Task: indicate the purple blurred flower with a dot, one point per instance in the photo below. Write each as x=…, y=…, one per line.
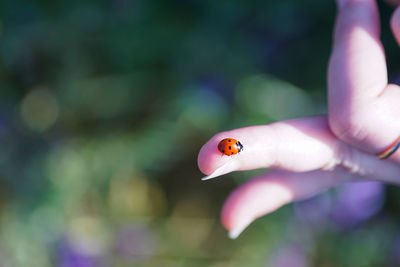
x=216, y=85
x=357, y=202
x=395, y=78
x=289, y=256
x=314, y=211
x=69, y=256
x=136, y=243
x=397, y=250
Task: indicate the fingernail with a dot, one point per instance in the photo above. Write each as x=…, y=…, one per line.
x=235, y=232
x=224, y=169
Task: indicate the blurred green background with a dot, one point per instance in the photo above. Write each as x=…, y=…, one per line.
x=104, y=106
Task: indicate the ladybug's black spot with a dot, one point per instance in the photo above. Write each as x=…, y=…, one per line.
x=223, y=151
x=229, y=140
x=232, y=153
x=230, y=147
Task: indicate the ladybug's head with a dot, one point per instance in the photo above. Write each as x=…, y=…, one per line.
x=239, y=146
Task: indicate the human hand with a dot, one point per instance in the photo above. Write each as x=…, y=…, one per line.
x=310, y=155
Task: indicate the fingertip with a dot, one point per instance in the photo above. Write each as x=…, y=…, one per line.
x=228, y=218
x=202, y=160
x=235, y=232
x=252, y=200
x=228, y=167
x=210, y=158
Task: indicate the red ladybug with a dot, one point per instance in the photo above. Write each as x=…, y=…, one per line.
x=230, y=146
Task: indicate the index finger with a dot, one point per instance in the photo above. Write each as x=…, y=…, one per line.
x=294, y=145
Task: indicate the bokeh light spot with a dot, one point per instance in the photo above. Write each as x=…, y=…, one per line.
x=269, y=96
x=39, y=109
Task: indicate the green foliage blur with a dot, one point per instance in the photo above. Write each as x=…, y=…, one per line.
x=104, y=106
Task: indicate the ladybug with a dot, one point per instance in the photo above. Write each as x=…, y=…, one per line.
x=230, y=146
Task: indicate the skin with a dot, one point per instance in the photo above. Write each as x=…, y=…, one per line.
x=310, y=155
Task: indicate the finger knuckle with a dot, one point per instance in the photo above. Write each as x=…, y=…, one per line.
x=349, y=128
